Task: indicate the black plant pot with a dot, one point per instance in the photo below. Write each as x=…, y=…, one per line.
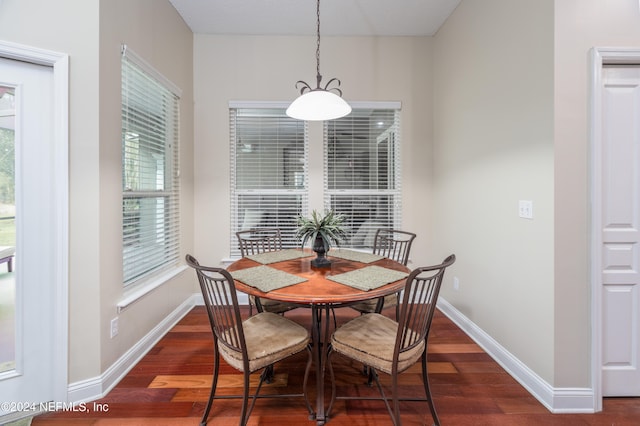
x=321, y=260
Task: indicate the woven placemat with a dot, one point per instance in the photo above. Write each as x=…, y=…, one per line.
x=265, y=278
x=369, y=277
x=279, y=256
x=357, y=256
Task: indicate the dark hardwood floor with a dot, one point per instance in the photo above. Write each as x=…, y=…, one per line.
x=170, y=386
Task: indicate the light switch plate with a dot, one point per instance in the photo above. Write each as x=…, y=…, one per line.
x=526, y=209
x=114, y=327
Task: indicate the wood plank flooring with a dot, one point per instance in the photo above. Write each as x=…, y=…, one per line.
x=170, y=386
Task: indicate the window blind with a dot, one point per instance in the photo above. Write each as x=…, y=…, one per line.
x=150, y=170
x=269, y=179
x=362, y=172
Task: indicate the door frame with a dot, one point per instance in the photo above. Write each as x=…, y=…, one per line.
x=60, y=281
x=600, y=56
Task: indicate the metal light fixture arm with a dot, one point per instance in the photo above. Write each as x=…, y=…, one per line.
x=305, y=86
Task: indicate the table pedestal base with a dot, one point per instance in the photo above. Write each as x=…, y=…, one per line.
x=320, y=337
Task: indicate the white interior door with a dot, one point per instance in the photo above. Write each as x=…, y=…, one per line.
x=30, y=380
x=620, y=212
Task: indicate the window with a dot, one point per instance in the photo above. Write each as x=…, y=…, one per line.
x=362, y=172
x=268, y=171
x=150, y=184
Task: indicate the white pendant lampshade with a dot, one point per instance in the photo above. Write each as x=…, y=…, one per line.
x=317, y=105
x=320, y=103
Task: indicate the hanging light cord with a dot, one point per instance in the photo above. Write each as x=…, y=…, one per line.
x=318, y=76
x=305, y=86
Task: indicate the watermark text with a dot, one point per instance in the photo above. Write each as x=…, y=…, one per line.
x=50, y=406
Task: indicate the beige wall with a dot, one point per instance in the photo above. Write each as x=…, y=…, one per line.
x=155, y=31
x=493, y=146
x=579, y=26
x=250, y=68
x=91, y=35
x=515, y=74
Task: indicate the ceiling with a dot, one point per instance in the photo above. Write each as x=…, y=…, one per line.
x=298, y=17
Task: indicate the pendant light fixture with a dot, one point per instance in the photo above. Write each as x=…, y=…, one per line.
x=321, y=103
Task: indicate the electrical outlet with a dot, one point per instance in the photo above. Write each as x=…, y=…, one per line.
x=525, y=209
x=114, y=327
x=456, y=283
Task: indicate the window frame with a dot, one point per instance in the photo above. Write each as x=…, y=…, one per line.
x=236, y=193
x=361, y=236
x=151, y=113
x=393, y=190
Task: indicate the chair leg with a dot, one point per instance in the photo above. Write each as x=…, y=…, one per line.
x=305, y=381
x=366, y=371
x=214, y=384
x=369, y=376
x=333, y=381
x=379, y=305
x=395, y=412
x=244, y=415
x=269, y=374
x=397, y=306
x=263, y=377
x=259, y=307
x=427, y=389
x=395, y=416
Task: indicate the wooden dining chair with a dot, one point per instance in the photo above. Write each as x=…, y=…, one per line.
x=259, y=240
x=256, y=241
x=395, y=245
x=250, y=345
x=383, y=344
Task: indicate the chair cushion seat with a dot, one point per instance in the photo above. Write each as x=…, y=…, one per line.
x=275, y=306
x=370, y=305
x=370, y=339
x=270, y=338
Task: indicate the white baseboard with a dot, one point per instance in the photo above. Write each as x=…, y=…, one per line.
x=556, y=400
x=98, y=387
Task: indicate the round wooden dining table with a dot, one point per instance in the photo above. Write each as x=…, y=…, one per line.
x=319, y=293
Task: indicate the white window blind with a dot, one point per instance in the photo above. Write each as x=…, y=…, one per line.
x=150, y=170
x=362, y=172
x=269, y=183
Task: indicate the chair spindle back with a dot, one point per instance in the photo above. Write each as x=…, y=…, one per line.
x=221, y=302
x=419, y=304
x=394, y=244
x=259, y=240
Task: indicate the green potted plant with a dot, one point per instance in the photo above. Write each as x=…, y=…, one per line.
x=322, y=231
